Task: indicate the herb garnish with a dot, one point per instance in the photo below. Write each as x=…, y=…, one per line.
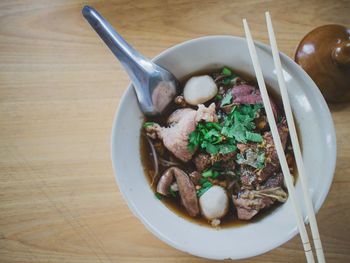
x=210, y=173
x=254, y=158
x=172, y=192
x=148, y=124
x=205, y=187
x=226, y=100
x=158, y=195
x=218, y=97
x=226, y=71
x=229, y=76
x=238, y=126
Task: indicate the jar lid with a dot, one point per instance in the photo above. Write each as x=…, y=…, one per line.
x=324, y=54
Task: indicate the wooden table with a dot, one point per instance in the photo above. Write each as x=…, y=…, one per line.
x=59, y=89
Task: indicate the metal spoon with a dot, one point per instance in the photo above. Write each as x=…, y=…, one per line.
x=155, y=87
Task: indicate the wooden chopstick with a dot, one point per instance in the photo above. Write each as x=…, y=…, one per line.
x=278, y=144
x=295, y=142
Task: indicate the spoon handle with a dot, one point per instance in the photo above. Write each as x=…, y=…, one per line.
x=134, y=63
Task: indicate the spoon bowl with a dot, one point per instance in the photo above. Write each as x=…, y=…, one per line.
x=155, y=86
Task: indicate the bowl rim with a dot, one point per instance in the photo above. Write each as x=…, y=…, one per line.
x=303, y=75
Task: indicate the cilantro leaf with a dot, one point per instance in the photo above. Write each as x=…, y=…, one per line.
x=194, y=140
x=261, y=160
x=221, y=138
x=226, y=100
x=254, y=137
x=253, y=158
x=227, y=148
x=226, y=81
x=226, y=71
x=214, y=125
x=212, y=149
x=236, y=131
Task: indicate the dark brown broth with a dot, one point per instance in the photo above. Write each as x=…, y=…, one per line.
x=230, y=219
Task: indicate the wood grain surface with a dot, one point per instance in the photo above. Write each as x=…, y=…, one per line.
x=59, y=89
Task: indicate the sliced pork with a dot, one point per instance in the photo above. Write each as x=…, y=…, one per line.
x=246, y=94
x=186, y=188
x=182, y=122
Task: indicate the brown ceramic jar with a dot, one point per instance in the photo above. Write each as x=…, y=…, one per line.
x=324, y=54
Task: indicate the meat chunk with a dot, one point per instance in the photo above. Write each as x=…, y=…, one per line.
x=195, y=176
x=177, y=115
x=186, y=187
x=248, y=208
x=249, y=99
x=180, y=100
x=242, y=90
x=246, y=94
x=272, y=161
x=249, y=202
x=251, y=177
x=206, y=114
x=165, y=181
x=182, y=122
x=274, y=181
x=227, y=161
x=202, y=162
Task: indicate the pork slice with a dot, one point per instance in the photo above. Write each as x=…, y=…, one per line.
x=182, y=123
x=165, y=181
x=177, y=115
x=254, y=98
x=248, y=99
x=186, y=187
x=175, y=138
x=242, y=90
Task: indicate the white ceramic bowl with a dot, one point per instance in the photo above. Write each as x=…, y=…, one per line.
x=317, y=137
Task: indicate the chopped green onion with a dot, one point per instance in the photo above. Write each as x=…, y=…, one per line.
x=254, y=137
x=148, y=124
x=204, y=188
x=218, y=97
x=158, y=196
x=226, y=71
x=172, y=193
x=226, y=81
x=210, y=173
x=207, y=184
x=202, y=180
